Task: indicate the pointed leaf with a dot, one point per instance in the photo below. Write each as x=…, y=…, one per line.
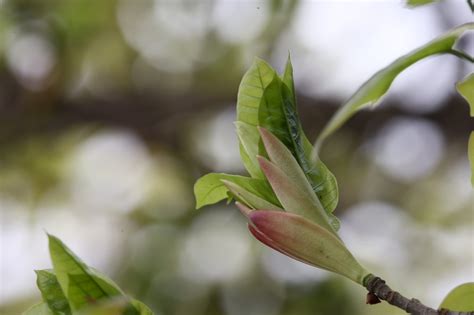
x=249, y=198
x=460, y=299
x=372, y=91
x=39, y=309
x=287, y=79
x=74, y=275
x=284, y=160
x=321, y=179
x=306, y=241
x=210, y=189
x=292, y=198
x=466, y=89
x=52, y=293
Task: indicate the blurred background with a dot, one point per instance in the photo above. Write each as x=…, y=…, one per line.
x=110, y=110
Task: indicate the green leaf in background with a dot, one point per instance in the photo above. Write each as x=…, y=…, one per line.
x=470, y=153
x=77, y=280
x=466, y=89
x=460, y=299
x=210, y=189
x=39, y=309
x=372, y=91
x=418, y=3
x=141, y=307
x=52, y=293
x=114, y=306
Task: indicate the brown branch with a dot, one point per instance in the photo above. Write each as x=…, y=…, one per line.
x=379, y=290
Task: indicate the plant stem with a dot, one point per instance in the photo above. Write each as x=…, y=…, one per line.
x=376, y=286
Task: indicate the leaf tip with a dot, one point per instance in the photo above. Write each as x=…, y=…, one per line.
x=246, y=211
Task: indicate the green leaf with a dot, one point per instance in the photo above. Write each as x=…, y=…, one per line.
x=470, y=152
x=114, y=306
x=39, y=309
x=78, y=282
x=418, y=3
x=460, y=299
x=52, y=293
x=249, y=147
x=322, y=181
x=249, y=198
x=249, y=98
x=466, y=89
x=141, y=307
x=372, y=91
x=210, y=189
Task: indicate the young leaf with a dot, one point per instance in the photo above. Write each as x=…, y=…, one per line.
x=76, y=279
x=460, y=299
x=210, y=189
x=321, y=179
x=39, y=309
x=249, y=147
x=372, y=91
x=249, y=98
x=466, y=89
x=52, y=293
x=470, y=150
x=249, y=198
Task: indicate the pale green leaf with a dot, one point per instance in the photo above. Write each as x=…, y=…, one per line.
x=113, y=306
x=249, y=147
x=141, y=307
x=248, y=198
x=39, y=309
x=210, y=189
x=52, y=293
x=470, y=150
x=249, y=98
x=372, y=91
x=466, y=89
x=460, y=299
x=76, y=279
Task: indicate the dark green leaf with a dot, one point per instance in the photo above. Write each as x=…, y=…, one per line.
x=52, y=293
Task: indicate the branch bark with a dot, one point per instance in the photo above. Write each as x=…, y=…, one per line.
x=376, y=286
